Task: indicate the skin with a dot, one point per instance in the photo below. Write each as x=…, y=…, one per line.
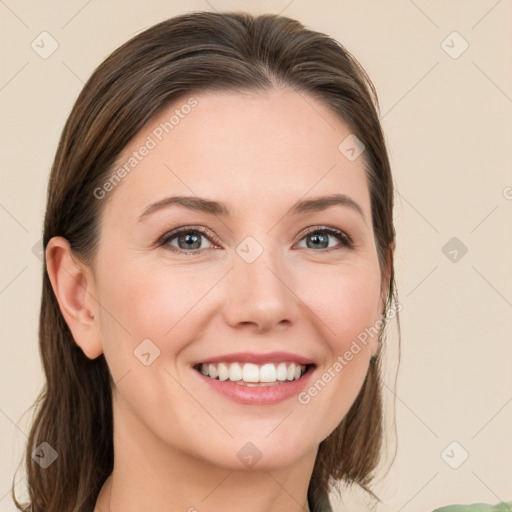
x=175, y=440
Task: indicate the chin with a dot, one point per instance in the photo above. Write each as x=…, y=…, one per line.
x=255, y=455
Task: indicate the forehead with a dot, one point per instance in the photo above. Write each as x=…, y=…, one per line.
x=250, y=150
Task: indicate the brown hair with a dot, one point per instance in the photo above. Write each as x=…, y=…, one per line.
x=191, y=52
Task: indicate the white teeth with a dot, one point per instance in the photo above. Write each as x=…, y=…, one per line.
x=282, y=372
x=253, y=373
x=235, y=372
x=212, y=371
x=268, y=373
x=223, y=371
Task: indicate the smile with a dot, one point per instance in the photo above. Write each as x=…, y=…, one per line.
x=250, y=373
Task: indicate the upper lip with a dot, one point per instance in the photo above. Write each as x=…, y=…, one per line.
x=255, y=358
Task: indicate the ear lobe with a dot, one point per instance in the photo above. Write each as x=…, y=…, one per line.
x=73, y=285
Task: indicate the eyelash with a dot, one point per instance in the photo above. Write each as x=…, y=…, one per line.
x=345, y=240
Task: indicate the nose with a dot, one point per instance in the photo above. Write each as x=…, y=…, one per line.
x=260, y=294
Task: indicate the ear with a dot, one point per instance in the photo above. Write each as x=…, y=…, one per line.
x=73, y=285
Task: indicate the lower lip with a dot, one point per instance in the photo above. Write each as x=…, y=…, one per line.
x=261, y=395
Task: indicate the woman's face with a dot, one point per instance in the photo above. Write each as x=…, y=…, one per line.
x=262, y=280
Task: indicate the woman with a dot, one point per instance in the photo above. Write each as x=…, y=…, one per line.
x=219, y=272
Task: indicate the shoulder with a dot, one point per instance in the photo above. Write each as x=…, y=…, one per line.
x=477, y=507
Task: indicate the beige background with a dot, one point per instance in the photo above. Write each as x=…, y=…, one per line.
x=448, y=123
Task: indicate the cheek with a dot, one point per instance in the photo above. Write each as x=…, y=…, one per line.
x=346, y=301
x=149, y=302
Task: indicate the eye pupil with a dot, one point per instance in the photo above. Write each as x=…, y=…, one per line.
x=316, y=238
x=190, y=238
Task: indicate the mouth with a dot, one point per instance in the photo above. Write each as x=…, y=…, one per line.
x=255, y=375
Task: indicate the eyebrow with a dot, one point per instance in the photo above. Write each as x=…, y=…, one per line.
x=202, y=205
